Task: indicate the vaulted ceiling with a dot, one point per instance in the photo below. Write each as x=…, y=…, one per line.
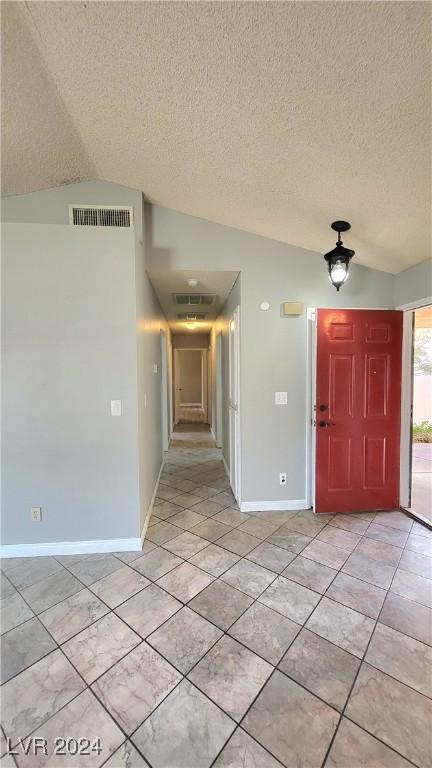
x=273, y=117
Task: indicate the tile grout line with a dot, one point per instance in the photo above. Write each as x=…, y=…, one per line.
x=254, y=600
x=362, y=661
x=215, y=578
x=244, y=557
x=214, y=542
x=366, y=649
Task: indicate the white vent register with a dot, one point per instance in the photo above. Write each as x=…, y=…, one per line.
x=194, y=299
x=101, y=216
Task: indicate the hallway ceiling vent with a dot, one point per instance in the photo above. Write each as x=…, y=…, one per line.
x=100, y=216
x=194, y=299
x=192, y=315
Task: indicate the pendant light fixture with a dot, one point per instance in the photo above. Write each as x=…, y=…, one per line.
x=339, y=258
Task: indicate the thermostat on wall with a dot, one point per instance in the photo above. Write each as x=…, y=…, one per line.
x=265, y=305
x=292, y=309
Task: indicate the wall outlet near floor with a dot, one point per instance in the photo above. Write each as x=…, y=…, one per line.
x=283, y=478
x=36, y=514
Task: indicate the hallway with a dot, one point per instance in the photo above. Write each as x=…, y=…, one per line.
x=266, y=639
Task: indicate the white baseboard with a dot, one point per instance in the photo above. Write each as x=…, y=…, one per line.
x=70, y=547
x=150, y=507
x=133, y=544
x=274, y=506
x=226, y=467
x=215, y=439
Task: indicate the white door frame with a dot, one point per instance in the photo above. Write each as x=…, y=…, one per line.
x=204, y=380
x=170, y=385
x=311, y=353
x=218, y=393
x=234, y=402
x=164, y=392
x=407, y=397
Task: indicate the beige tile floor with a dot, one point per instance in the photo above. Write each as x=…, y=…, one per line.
x=232, y=640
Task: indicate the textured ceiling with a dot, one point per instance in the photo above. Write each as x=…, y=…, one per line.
x=273, y=117
x=166, y=282
x=39, y=145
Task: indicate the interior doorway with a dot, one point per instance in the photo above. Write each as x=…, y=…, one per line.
x=190, y=386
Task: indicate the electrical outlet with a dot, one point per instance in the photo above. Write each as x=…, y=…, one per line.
x=283, y=478
x=36, y=514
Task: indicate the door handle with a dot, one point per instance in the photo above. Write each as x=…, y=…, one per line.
x=326, y=424
x=323, y=407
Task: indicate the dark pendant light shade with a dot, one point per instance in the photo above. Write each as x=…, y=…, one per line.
x=339, y=258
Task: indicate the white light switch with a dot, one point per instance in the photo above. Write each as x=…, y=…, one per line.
x=116, y=407
x=36, y=514
x=281, y=398
x=155, y=367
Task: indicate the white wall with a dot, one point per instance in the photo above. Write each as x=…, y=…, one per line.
x=149, y=323
x=273, y=349
x=68, y=344
x=50, y=206
x=43, y=263
x=413, y=284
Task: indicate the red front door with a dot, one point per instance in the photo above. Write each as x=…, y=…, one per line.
x=358, y=386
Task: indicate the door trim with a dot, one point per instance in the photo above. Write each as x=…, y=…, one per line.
x=406, y=408
x=311, y=357
x=311, y=352
x=236, y=363
x=218, y=390
x=164, y=391
x=407, y=397
x=204, y=383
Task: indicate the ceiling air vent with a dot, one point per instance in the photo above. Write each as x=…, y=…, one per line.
x=194, y=299
x=100, y=216
x=191, y=315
